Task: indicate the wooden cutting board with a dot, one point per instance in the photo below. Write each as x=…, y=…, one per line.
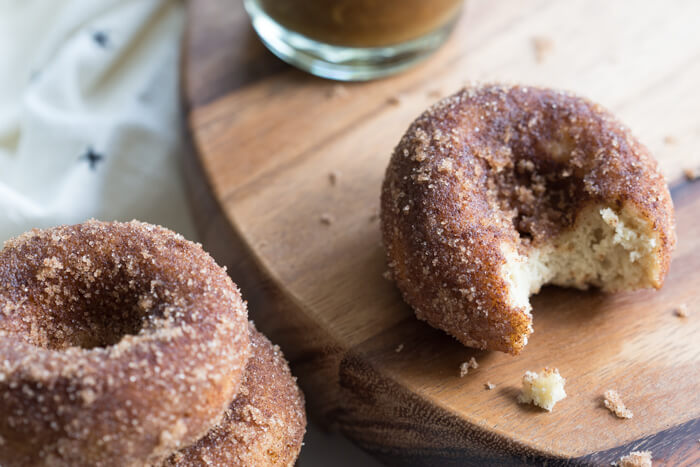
x=307, y=255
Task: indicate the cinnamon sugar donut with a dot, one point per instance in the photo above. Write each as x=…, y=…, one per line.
x=495, y=191
x=119, y=343
x=264, y=425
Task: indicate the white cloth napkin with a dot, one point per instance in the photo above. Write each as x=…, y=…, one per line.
x=89, y=113
x=90, y=127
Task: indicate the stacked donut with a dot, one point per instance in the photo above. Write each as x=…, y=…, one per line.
x=125, y=344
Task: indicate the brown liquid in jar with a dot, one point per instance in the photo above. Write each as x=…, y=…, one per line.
x=362, y=23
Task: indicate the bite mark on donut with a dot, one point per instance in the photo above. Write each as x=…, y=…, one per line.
x=604, y=249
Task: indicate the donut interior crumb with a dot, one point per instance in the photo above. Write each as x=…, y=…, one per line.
x=607, y=248
x=613, y=402
x=464, y=367
x=543, y=47
x=543, y=389
x=635, y=459
x=681, y=311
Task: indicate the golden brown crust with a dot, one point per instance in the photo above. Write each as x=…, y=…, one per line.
x=264, y=425
x=120, y=343
x=495, y=165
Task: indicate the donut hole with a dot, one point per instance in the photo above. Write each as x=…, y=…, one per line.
x=539, y=196
x=91, y=325
x=74, y=307
x=97, y=322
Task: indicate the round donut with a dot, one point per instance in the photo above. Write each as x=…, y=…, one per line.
x=264, y=425
x=119, y=344
x=498, y=190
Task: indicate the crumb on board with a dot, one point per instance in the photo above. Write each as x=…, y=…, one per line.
x=489, y=385
x=691, y=174
x=326, y=219
x=681, y=311
x=613, y=402
x=544, y=389
x=387, y=275
x=337, y=90
x=635, y=459
x=374, y=216
x=398, y=348
x=333, y=177
x=435, y=93
x=543, y=47
x=393, y=100
x=670, y=139
x=465, y=366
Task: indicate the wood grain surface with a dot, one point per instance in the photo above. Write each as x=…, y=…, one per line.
x=266, y=138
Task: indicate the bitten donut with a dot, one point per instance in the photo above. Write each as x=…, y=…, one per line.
x=263, y=426
x=119, y=343
x=496, y=191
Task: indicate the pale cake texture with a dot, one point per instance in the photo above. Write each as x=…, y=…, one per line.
x=610, y=251
x=543, y=389
x=497, y=191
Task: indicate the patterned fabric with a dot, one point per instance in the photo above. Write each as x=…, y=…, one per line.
x=89, y=113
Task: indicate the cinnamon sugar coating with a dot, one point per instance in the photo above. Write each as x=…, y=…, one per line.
x=119, y=343
x=499, y=165
x=264, y=425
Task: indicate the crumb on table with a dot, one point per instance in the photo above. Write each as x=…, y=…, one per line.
x=393, y=100
x=398, y=348
x=543, y=389
x=613, y=402
x=333, y=177
x=635, y=459
x=681, y=311
x=326, y=219
x=489, y=385
x=337, y=90
x=691, y=174
x=464, y=367
x=670, y=139
x=543, y=47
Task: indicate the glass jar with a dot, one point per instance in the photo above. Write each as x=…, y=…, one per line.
x=353, y=39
